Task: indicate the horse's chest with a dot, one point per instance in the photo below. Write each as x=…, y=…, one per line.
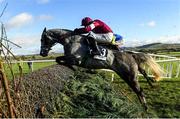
x=72, y=48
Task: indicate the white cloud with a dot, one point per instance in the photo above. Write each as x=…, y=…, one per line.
x=132, y=42
x=26, y=40
x=19, y=20
x=162, y=39
x=42, y=1
x=169, y=39
x=45, y=17
x=29, y=43
x=149, y=24
x=24, y=19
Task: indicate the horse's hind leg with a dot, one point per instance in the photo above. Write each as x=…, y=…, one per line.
x=149, y=79
x=133, y=83
x=129, y=76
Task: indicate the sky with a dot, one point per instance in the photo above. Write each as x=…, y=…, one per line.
x=138, y=21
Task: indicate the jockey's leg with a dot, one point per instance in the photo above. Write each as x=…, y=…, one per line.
x=104, y=38
x=94, y=46
x=95, y=49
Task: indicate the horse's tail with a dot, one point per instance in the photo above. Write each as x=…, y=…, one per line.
x=142, y=58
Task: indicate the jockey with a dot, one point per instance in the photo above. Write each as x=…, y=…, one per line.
x=98, y=32
x=118, y=41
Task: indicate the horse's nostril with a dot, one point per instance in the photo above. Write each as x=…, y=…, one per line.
x=44, y=54
x=41, y=53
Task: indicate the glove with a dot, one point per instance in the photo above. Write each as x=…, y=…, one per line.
x=76, y=31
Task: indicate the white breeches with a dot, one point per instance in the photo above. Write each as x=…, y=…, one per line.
x=102, y=38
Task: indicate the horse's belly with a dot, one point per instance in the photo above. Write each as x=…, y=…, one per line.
x=99, y=64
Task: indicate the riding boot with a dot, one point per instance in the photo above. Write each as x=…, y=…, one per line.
x=94, y=46
x=95, y=50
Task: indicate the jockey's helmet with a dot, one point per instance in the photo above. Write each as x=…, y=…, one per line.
x=86, y=21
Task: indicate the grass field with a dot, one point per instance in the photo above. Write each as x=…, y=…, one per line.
x=163, y=100
x=26, y=69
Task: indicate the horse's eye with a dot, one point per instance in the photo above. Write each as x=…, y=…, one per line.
x=49, y=34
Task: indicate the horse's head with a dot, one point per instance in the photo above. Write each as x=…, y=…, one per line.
x=47, y=41
x=63, y=36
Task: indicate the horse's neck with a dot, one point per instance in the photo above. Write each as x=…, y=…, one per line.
x=61, y=35
x=69, y=36
x=76, y=45
x=73, y=44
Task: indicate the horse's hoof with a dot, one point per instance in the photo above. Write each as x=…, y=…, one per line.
x=151, y=85
x=145, y=108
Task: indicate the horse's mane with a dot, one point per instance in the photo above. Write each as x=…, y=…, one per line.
x=65, y=32
x=57, y=30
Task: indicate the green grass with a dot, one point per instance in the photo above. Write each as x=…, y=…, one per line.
x=15, y=68
x=163, y=99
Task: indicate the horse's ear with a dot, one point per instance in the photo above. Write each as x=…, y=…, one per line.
x=44, y=30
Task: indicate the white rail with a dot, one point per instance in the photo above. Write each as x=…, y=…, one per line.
x=33, y=61
x=169, y=60
x=162, y=56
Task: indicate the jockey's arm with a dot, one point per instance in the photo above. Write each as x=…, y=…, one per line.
x=80, y=31
x=86, y=29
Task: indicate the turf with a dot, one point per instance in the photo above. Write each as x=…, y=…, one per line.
x=163, y=99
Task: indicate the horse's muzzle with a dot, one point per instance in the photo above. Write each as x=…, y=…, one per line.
x=43, y=54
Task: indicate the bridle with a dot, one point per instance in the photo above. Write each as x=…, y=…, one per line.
x=46, y=47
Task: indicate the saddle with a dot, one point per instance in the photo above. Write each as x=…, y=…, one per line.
x=108, y=46
x=103, y=49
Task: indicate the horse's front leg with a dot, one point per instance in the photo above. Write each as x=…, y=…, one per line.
x=64, y=60
x=61, y=60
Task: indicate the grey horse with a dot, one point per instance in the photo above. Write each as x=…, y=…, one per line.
x=76, y=52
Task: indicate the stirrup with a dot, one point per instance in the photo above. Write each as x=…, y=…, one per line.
x=100, y=57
